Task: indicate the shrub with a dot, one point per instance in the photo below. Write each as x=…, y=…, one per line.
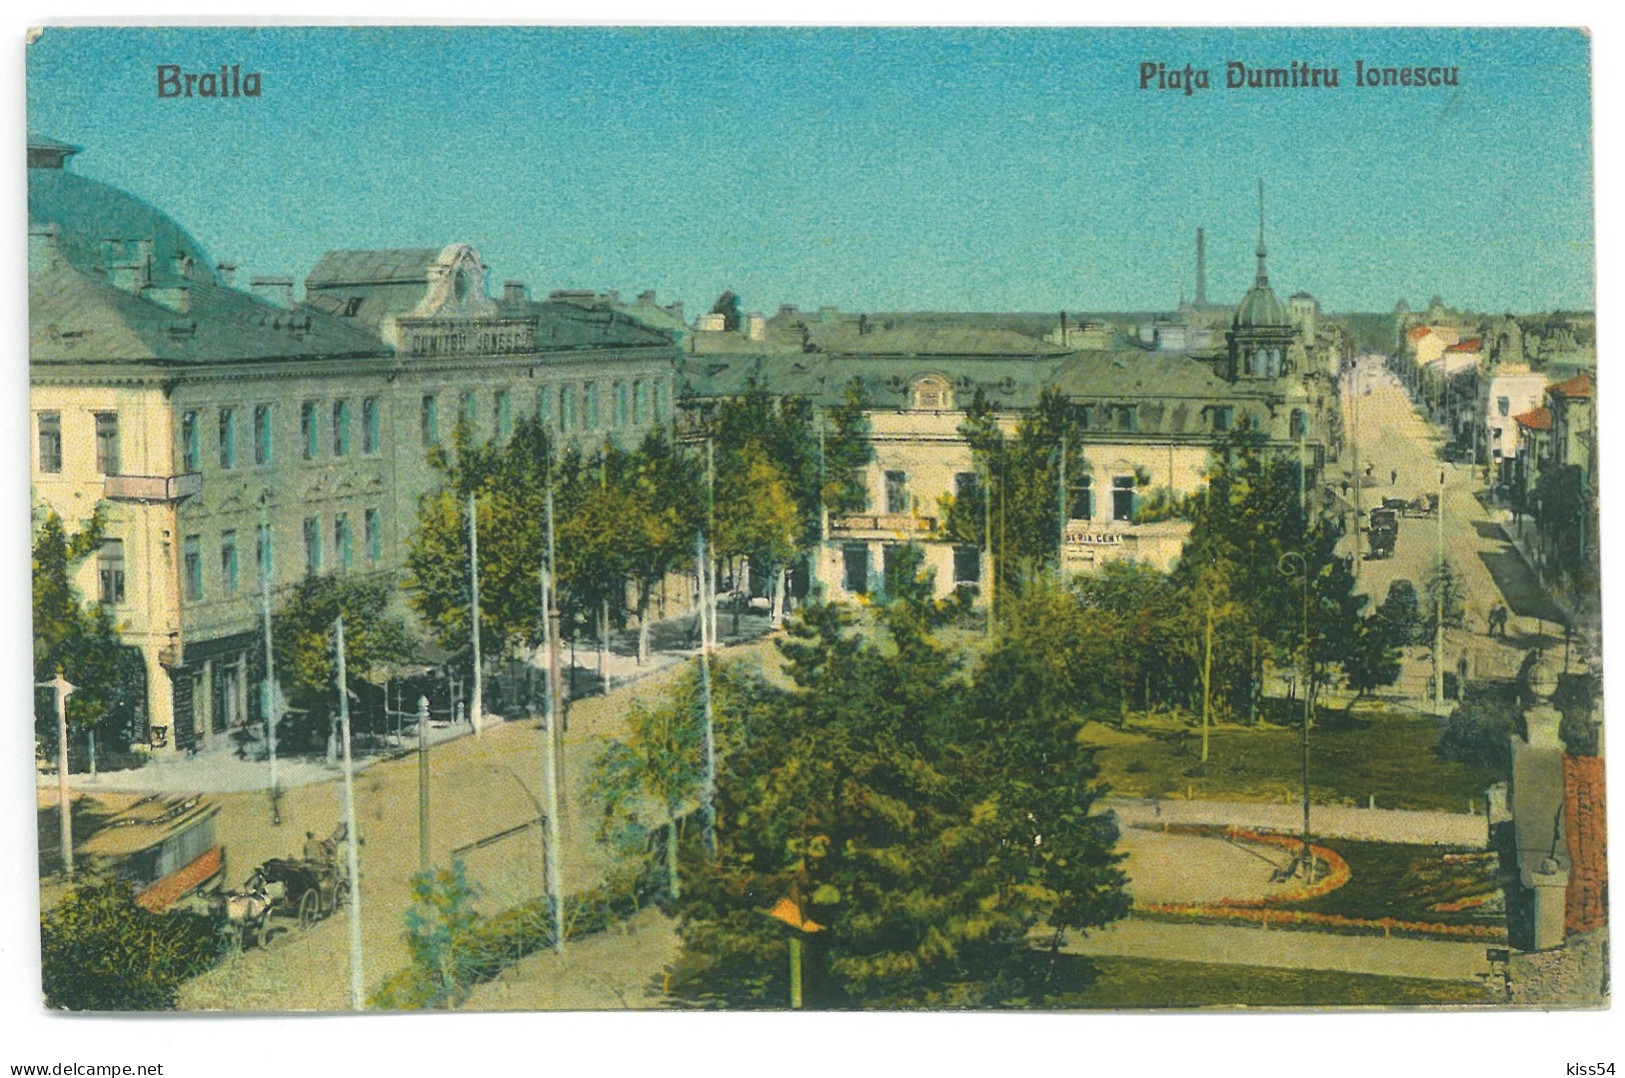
x=100, y=951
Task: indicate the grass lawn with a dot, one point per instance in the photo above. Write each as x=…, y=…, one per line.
x=1145, y=983
x=1386, y=754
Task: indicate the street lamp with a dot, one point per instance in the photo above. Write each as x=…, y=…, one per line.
x=63, y=689
x=1301, y=571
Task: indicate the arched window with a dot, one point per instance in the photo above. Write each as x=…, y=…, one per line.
x=933, y=394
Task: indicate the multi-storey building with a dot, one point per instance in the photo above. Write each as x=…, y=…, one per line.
x=226, y=434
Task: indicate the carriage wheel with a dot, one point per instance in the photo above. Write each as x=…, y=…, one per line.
x=310, y=908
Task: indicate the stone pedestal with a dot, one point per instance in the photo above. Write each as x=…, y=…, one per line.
x=1548, y=884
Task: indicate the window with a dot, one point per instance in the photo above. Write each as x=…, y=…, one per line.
x=262, y=551
x=50, y=441
x=1086, y=416
x=1129, y=417
x=1083, y=499
x=352, y=306
x=110, y=571
x=1297, y=427
x=228, y=438
x=932, y=394
x=470, y=405
x=967, y=566
x=589, y=405
x=369, y=426
x=504, y=413
x=1123, y=498
x=228, y=562
x=965, y=486
x=622, y=412
x=341, y=428
x=896, y=492
x=567, y=408
x=309, y=432
x=313, y=546
x=893, y=566
x=544, y=405
x=192, y=566
x=1503, y=405
x=430, y=419
x=855, y=559
x=262, y=434
x=342, y=549
x=373, y=535
x=659, y=402
x=640, y=403
x=107, y=461
x=1224, y=417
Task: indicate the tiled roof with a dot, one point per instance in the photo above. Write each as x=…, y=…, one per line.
x=1580, y=387
x=1535, y=419
x=1467, y=346
x=1418, y=332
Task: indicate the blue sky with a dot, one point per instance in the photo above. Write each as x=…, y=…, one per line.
x=869, y=168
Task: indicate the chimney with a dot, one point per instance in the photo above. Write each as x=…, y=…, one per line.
x=227, y=271
x=179, y=264
x=647, y=299
x=277, y=291
x=514, y=292
x=129, y=264
x=1201, y=269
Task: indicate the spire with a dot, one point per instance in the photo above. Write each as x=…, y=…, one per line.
x=1263, y=274
x=1201, y=270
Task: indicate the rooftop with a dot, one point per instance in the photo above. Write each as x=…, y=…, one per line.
x=1535, y=419
x=1580, y=387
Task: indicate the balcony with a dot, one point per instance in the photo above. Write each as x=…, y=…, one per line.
x=152, y=488
x=882, y=526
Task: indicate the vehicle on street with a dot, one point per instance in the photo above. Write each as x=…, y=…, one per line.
x=1383, y=532
x=166, y=847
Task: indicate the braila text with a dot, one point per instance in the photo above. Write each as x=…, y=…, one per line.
x=227, y=82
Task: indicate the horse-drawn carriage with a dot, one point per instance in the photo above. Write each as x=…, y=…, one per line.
x=305, y=889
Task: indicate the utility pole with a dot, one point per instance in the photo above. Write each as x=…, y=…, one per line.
x=1060, y=540
x=1354, y=417
x=550, y=753
x=61, y=688
x=603, y=600
x=708, y=794
x=1207, y=675
x=476, y=706
x=1438, y=606
x=352, y=837
x=423, y=784
x=272, y=711
x=987, y=542
x=710, y=588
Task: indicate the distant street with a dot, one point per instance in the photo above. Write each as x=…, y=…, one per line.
x=1399, y=457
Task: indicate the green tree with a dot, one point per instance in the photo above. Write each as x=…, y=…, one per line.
x=1444, y=595
x=80, y=641
x=1374, y=660
x=1401, y=613
x=861, y=794
x=440, y=933
x=848, y=452
x=99, y=951
x=376, y=637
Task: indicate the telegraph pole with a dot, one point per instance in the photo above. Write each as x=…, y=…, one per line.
x=1207, y=675
x=61, y=688
x=550, y=762
x=1060, y=547
x=1438, y=606
x=1354, y=422
x=423, y=784
x=352, y=838
x=476, y=706
x=708, y=794
x=272, y=711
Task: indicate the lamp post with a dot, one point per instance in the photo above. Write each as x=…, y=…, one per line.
x=63, y=689
x=1301, y=570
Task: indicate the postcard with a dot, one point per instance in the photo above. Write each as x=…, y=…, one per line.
x=587, y=518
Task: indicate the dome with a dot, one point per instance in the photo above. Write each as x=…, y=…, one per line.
x=88, y=213
x=1259, y=307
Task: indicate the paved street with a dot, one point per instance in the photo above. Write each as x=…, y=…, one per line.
x=1399, y=456
x=480, y=787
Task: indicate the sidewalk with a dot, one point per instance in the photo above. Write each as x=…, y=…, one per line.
x=1325, y=821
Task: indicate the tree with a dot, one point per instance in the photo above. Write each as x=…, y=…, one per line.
x=1400, y=613
x=99, y=951
x=375, y=638
x=80, y=641
x=862, y=795
x=440, y=930
x=1443, y=595
x=847, y=452
x=650, y=780
x=1374, y=659
x=727, y=305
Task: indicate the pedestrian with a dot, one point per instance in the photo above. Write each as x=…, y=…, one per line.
x=1393, y=478
x=1368, y=470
